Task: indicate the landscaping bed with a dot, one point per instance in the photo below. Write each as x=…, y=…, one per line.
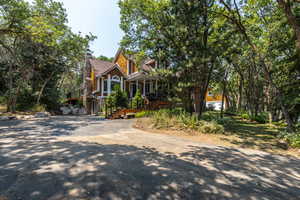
x=237, y=133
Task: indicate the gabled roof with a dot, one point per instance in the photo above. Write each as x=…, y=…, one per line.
x=100, y=66
x=103, y=67
x=115, y=66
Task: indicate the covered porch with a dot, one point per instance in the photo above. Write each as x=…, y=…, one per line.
x=149, y=86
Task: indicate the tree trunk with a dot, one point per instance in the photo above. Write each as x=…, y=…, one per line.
x=240, y=96
x=223, y=95
x=43, y=87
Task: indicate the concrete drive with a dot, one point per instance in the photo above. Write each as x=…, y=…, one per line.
x=64, y=158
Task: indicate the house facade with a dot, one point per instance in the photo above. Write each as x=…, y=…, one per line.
x=100, y=78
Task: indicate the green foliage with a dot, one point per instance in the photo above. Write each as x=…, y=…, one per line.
x=211, y=127
x=137, y=100
x=256, y=50
x=293, y=139
x=104, y=58
x=260, y=118
x=40, y=53
x=38, y=108
x=246, y=116
x=2, y=100
x=110, y=101
x=120, y=99
x=26, y=100
x=179, y=119
x=143, y=114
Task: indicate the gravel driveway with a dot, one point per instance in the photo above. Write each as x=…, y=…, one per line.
x=86, y=158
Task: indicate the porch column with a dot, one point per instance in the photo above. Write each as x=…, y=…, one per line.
x=122, y=84
x=156, y=86
x=137, y=85
x=144, y=88
x=102, y=86
x=98, y=84
x=108, y=84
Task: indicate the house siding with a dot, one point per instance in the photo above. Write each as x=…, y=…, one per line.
x=122, y=62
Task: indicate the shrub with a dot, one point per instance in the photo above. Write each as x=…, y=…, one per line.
x=293, y=139
x=120, y=99
x=143, y=114
x=245, y=116
x=2, y=100
x=39, y=108
x=211, y=127
x=259, y=118
x=224, y=121
x=109, y=101
x=178, y=118
x=137, y=100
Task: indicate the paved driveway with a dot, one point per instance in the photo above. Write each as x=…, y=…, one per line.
x=85, y=158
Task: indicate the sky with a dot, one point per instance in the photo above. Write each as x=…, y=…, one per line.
x=99, y=17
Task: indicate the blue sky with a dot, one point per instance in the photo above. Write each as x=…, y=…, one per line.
x=101, y=18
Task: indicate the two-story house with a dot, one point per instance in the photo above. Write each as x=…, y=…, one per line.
x=102, y=76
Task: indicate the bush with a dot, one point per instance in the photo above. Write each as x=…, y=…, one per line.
x=143, y=114
x=293, y=139
x=211, y=127
x=120, y=99
x=224, y=121
x=259, y=118
x=245, y=116
x=2, y=100
x=137, y=100
x=178, y=118
x=39, y=108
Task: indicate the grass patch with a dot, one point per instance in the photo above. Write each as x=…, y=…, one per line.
x=180, y=120
x=230, y=131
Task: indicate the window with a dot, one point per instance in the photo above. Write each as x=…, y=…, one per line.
x=115, y=81
x=116, y=78
x=105, y=86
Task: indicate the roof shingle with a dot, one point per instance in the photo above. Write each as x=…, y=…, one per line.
x=100, y=66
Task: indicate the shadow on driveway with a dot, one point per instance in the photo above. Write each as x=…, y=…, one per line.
x=33, y=165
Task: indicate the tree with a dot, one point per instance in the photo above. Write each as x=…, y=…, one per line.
x=120, y=98
x=104, y=58
x=40, y=49
x=175, y=33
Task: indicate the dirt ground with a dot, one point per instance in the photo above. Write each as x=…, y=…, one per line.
x=87, y=158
